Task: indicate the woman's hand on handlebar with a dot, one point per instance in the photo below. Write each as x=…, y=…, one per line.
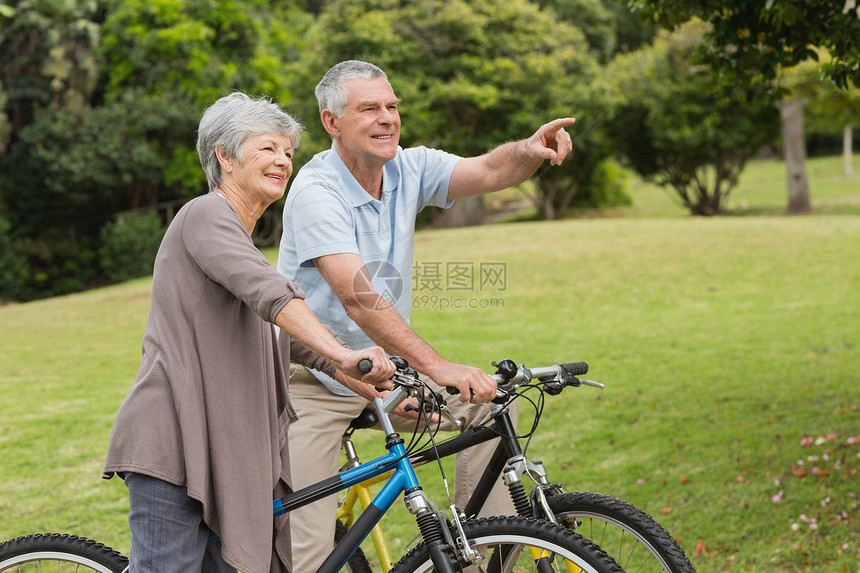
x=382, y=368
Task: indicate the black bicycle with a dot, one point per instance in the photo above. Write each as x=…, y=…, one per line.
x=632, y=537
x=450, y=543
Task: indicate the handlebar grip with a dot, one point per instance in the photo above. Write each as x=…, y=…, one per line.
x=365, y=365
x=575, y=368
x=452, y=390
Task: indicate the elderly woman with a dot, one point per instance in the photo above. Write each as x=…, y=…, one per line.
x=200, y=440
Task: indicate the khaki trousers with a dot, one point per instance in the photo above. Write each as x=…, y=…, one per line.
x=315, y=441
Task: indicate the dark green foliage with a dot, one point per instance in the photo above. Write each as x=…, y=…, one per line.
x=674, y=124
x=58, y=262
x=471, y=75
x=13, y=266
x=594, y=17
x=78, y=165
x=750, y=41
x=67, y=174
x=103, y=101
x=129, y=246
x=47, y=56
x=606, y=188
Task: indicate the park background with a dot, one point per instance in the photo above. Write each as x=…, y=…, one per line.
x=661, y=253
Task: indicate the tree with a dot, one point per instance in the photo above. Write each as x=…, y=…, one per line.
x=47, y=62
x=752, y=41
x=829, y=110
x=595, y=18
x=674, y=125
x=5, y=12
x=91, y=163
x=471, y=75
x=111, y=126
x=185, y=55
x=47, y=56
x=5, y=128
x=749, y=43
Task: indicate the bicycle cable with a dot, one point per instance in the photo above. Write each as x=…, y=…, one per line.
x=432, y=435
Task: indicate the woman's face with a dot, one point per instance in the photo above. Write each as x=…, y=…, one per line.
x=265, y=169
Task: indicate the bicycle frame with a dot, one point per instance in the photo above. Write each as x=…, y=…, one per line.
x=508, y=456
x=508, y=448
x=360, y=494
x=401, y=480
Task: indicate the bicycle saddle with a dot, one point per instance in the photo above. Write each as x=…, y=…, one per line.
x=367, y=419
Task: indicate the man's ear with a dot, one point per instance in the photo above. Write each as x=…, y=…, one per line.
x=330, y=122
x=225, y=161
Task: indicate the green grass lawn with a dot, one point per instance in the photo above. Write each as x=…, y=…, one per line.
x=730, y=350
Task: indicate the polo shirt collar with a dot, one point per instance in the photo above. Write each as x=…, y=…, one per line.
x=353, y=191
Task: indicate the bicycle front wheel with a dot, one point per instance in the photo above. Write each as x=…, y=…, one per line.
x=59, y=552
x=518, y=544
x=628, y=534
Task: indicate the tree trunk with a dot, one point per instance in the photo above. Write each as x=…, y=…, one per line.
x=465, y=212
x=847, y=152
x=794, y=143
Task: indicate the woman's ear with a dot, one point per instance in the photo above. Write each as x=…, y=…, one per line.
x=224, y=160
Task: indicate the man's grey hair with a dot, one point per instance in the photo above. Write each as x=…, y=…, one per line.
x=228, y=122
x=331, y=91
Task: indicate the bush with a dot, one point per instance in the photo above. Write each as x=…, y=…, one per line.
x=13, y=266
x=129, y=246
x=605, y=189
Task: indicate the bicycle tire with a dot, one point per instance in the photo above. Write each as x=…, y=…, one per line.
x=62, y=552
x=631, y=536
x=499, y=535
x=358, y=562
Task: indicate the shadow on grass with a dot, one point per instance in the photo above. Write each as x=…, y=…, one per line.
x=779, y=210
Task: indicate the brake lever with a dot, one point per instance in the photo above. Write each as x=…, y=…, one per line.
x=554, y=385
x=439, y=402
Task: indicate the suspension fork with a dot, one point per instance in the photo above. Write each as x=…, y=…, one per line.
x=509, y=461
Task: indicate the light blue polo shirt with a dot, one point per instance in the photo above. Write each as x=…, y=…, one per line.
x=327, y=212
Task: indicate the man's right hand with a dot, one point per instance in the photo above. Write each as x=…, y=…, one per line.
x=474, y=384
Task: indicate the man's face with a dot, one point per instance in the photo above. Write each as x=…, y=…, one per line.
x=370, y=126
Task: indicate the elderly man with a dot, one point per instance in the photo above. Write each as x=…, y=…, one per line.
x=353, y=208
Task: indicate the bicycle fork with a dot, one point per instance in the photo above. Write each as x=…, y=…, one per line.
x=437, y=535
x=516, y=466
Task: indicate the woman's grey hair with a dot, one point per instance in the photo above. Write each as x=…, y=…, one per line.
x=228, y=122
x=331, y=91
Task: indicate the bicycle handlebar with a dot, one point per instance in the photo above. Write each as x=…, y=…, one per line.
x=553, y=378
x=558, y=376
x=563, y=372
x=365, y=365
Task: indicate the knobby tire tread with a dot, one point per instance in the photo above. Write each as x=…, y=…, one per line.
x=70, y=545
x=636, y=519
x=539, y=530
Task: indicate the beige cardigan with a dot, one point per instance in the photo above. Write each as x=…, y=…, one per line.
x=210, y=407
